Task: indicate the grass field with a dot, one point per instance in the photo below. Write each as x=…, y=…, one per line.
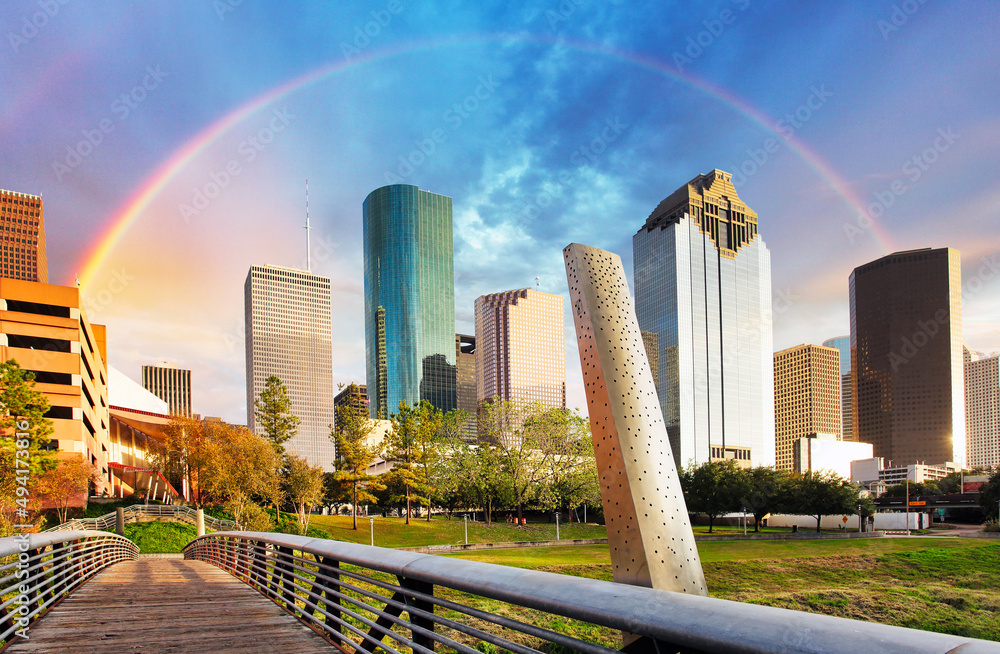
x=947, y=585
x=393, y=532
x=159, y=537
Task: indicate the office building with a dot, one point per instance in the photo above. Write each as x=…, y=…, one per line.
x=466, y=398
x=22, y=237
x=354, y=395
x=46, y=330
x=521, y=348
x=409, y=299
x=982, y=410
x=287, y=314
x=806, y=399
x=878, y=470
x=703, y=297
x=171, y=384
x=843, y=345
x=907, y=362
x=824, y=453
x=137, y=431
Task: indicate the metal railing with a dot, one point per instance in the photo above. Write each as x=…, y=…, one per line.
x=358, y=594
x=38, y=569
x=132, y=513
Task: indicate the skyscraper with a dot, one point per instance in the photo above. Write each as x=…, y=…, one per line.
x=465, y=382
x=171, y=384
x=287, y=315
x=843, y=343
x=409, y=299
x=521, y=347
x=806, y=398
x=703, y=296
x=22, y=237
x=982, y=410
x=906, y=356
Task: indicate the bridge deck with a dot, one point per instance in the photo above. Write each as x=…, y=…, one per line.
x=168, y=605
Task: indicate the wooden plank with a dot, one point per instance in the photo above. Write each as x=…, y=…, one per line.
x=168, y=605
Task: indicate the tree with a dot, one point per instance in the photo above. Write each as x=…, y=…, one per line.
x=989, y=496
x=477, y=476
x=184, y=454
x=240, y=467
x=273, y=410
x=766, y=492
x=23, y=428
x=714, y=488
x=523, y=436
x=823, y=493
x=355, y=435
x=573, y=477
x=410, y=446
x=65, y=482
x=445, y=478
x=303, y=488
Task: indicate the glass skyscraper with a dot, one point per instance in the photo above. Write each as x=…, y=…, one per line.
x=287, y=315
x=409, y=299
x=907, y=358
x=703, y=302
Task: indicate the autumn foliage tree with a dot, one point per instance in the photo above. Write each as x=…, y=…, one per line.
x=303, y=488
x=62, y=485
x=240, y=469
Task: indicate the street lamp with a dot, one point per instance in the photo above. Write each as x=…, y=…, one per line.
x=371, y=529
x=465, y=521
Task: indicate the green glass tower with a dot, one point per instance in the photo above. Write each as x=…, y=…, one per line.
x=409, y=299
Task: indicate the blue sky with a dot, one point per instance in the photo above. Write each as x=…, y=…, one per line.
x=546, y=122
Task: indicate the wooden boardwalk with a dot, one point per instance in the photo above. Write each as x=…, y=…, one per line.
x=168, y=605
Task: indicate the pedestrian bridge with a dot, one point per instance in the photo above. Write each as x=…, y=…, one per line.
x=90, y=591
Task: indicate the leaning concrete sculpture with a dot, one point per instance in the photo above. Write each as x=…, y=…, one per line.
x=649, y=532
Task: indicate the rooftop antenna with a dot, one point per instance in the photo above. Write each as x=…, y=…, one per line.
x=308, y=229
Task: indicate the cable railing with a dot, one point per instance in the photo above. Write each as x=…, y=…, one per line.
x=38, y=569
x=358, y=596
x=134, y=512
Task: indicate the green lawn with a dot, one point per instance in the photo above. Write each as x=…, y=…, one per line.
x=393, y=532
x=938, y=584
x=159, y=537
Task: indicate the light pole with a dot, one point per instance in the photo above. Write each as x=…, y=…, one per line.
x=744, y=521
x=371, y=529
x=557, y=525
x=907, y=506
x=465, y=521
x=861, y=520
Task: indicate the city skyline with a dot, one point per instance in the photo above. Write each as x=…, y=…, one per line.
x=163, y=167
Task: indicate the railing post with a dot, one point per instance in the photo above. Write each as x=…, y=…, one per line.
x=424, y=588
x=330, y=599
x=199, y=522
x=283, y=569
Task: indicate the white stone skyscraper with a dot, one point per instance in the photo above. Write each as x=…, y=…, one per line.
x=703, y=302
x=287, y=315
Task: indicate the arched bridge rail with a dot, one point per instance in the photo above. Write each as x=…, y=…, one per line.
x=359, y=594
x=36, y=570
x=134, y=512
